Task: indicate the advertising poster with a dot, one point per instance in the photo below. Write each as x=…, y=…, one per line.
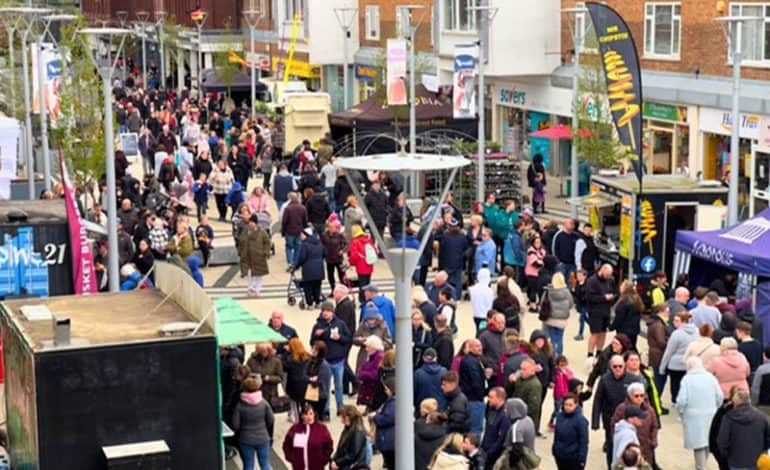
x=396, y=72
x=620, y=63
x=53, y=72
x=464, y=83
x=83, y=270
x=626, y=227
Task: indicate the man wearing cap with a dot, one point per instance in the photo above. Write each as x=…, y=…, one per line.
x=427, y=381
x=625, y=431
x=384, y=305
x=338, y=338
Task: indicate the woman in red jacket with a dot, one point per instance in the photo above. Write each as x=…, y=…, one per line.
x=357, y=258
x=308, y=444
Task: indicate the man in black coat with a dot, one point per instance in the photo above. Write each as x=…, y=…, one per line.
x=563, y=247
x=338, y=339
x=492, y=343
x=586, y=254
x=600, y=296
x=345, y=310
x=496, y=428
x=744, y=433
x=473, y=384
x=609, y=394
x=443, y=342
x=377, y=203
x=456, y=404
x=277, y=324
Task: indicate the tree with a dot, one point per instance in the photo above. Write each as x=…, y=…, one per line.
x=79, y=130
x=602, y=148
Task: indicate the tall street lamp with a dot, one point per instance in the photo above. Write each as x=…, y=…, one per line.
x=199, y=21
x=577, y=44
x=122, y=16
x=141, y=20
x=11, y=21
x=402, y=262
x=486, y=15
x=160, y=21
x=733, y=26
x=345, y=17
x=253, y=17
x=106, y=67
x=413, y=26
x=30, y=17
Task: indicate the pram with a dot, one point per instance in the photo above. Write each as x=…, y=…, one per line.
x=264, y=221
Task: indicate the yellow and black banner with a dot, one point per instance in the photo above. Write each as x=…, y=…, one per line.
x=620, y=62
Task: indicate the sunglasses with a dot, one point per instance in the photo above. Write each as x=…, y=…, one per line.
x=638, y=395
x=618, y=366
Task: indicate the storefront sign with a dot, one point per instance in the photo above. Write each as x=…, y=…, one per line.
x=464, y=91
x=366, y=73
x=545, y=99
x=513, y=96
x=626, y=227
x=297, y=68
x=664, y=112
x=718, y=121
x=396, y=72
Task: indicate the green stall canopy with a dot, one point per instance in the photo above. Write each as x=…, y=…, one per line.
x=236, y=325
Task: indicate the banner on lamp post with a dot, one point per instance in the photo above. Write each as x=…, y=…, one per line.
x=463, y=86
x=53, y=75
x=396, y=72
x=620, y=63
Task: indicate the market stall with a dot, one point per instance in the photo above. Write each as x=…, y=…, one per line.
x=636, y=230
x=743, y=248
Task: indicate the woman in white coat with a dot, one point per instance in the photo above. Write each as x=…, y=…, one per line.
x=698, y=400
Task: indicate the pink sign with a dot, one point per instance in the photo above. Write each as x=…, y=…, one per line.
x=764, y=132
x=83, y=273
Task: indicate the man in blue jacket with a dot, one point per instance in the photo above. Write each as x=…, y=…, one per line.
x=385, y=306
x=496, y=428
x=335, y=333
x=473, y=384
x=427, y=381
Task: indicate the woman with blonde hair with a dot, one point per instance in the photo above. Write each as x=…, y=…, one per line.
x=628, y=312
x=450, y=455
x=421, y=301
x=352, y=215
x=561, y=301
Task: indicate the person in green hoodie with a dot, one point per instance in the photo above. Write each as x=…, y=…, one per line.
x=500, y=219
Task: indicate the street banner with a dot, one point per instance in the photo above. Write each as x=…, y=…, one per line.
x=396, y=72
x=620, y=63
x=464, y=90
x=83, y=272
x=52, y=80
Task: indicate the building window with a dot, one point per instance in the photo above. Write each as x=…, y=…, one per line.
x=583, y=25
x=292, y=8
x=366, y=89
x=459, y=15
x=753, y=36
x=662, y=29
x=372, y=22
x=403, y=21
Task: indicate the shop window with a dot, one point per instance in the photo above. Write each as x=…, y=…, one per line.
x=753, y=36
x=584, y=29
x=662, y=30
x=293, y=7
x=372, y=22
x=459, y=15
x=366, y=88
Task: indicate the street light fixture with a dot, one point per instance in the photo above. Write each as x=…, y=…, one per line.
x=122, y=16
x=345, y=17
x=252, y=17
x=11, y=21
x=732, y=25
x=486, y=16
x=577, y=44
x=141, y=20
x=160, y=20
x=402, y=262
x=105, y=66
x=199, y=21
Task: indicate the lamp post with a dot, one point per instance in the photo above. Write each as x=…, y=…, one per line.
x=402, y=262
x=252, y=18
x=141, y=20
x=732, y=25
x=30, y=16
x=160, y=20
x=413, y=26
x=106, y=67
x=577, y=44
x=199, y=22
x=11, y=22
x=122, y=16
x=486, y=15
x=345, y=17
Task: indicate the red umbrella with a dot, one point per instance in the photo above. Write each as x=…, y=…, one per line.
x=559, y=132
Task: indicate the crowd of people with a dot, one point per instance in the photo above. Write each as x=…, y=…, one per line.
x=480, y=406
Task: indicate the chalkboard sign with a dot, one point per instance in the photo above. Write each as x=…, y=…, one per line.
x=129, y=144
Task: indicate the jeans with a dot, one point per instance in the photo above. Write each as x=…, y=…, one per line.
x=292, y=246
x=566, y=269
x=330, y=198
x=263, y=455
x=582, y=318
x=337, y=370
x=660, y=381
x=456, y=279
x=477, y=409
x=557, y=339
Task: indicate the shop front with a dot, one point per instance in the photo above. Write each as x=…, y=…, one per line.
x=716, y=128
x=666, y=138
x=760, y=164
x=367, y=77
x=521, y=108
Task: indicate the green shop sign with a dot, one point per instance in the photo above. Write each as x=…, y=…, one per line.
x=664, y=112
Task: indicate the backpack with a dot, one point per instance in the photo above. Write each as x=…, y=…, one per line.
x=370, y=254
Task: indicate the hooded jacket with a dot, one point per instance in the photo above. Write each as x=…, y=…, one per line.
x=731, y=370
x=428, y=437
x=726, y=328
x=253, y=419
x=493, y=347
x=743, y=435
x=357, y=253
x=625, y=433
x=516, y=410
x=364, y=331
x=481, y=295
x=570, y=438
x=647, y=433
x=386, y=309
x=427, y=384
x=673, y=356
x=311, y=259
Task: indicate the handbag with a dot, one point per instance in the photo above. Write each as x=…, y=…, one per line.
x=312, y=393
x=280, y=403
x=545, y=307
x=527, y=459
